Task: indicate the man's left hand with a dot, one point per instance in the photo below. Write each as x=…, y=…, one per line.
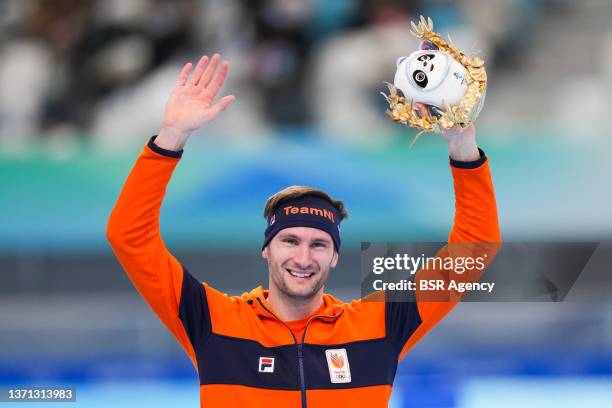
x=461, y=141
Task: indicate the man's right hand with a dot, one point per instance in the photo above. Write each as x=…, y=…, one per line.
x=191, y=103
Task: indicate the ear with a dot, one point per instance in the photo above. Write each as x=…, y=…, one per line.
x=265, y=252
x=334, y=260
x=427, y=45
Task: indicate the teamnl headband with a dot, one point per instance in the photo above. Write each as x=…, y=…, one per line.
x=308, y=211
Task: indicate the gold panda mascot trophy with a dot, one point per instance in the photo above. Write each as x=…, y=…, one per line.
x=448, y=83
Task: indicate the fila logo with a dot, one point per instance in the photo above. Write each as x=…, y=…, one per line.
x=266, y=364
x=338, y=364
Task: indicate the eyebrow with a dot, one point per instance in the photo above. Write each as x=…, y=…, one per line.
x=293, y=236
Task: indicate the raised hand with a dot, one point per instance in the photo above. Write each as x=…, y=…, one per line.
x=191, y=103
x=461, y=141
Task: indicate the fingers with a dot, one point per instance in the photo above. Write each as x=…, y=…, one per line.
x=422, y=109
x=218, y=80
x=205, y=72
x=210, y=70
x=199, y=70
x=182, y=79
x=222, y=104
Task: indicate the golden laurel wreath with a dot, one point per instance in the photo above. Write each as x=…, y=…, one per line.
x=403, y=111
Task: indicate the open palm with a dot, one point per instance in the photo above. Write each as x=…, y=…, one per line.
x=191, y=103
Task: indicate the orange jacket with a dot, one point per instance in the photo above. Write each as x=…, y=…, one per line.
x=243, y=354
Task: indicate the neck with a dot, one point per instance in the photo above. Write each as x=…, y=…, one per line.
x=290, y=309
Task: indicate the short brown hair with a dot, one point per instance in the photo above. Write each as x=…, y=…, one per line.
x=293, y=192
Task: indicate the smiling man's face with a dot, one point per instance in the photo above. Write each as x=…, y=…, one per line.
x=299, y=261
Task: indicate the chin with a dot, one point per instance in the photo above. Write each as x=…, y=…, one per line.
x=302, y=293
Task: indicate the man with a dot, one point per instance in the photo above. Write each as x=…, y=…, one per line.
x=291, y=345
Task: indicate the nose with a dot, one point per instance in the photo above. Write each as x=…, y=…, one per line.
x=302, y=257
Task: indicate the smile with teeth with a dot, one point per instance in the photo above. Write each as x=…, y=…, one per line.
x=300, y=274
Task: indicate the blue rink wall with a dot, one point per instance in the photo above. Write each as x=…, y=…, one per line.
x=508, y=380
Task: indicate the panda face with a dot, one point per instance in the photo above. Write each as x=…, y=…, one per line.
x=431, y=77
x=427, y=69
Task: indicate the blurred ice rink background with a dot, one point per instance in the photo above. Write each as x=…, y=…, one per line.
x=83, y=86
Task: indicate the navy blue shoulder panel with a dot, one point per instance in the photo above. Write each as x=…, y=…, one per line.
x=402, y=317
x=232, y=360
x=193, y=311
x=371, y=362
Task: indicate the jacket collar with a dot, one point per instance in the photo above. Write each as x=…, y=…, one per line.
x=258, y=300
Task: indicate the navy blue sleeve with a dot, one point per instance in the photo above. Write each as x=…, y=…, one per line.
x=194, y=312
x=401, y=317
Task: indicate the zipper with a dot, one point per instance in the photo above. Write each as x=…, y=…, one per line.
x=300, y=354
x=300, y=345
x=301, y=365
x=319, y=317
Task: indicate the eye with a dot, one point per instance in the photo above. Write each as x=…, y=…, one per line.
x=319, y=244
x=290, y=241
x=425, y=57
x=420, y=78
